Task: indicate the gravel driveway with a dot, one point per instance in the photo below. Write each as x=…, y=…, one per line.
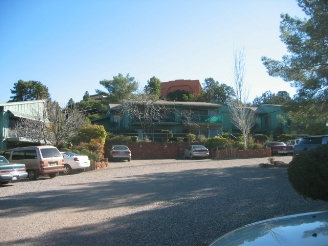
x=147, y=202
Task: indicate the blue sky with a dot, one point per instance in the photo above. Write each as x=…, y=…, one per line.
x=71, y=45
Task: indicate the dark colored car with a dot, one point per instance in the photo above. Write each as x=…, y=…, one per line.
x=308, y=143
x=279, y=148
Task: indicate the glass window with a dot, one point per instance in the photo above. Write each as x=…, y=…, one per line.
x=18, y=155
x=6, y=154
x=50, y=152
x=30, y=154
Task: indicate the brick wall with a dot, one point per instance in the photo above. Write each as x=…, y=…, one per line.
x=158, y=150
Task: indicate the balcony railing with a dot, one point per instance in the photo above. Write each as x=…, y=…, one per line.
x=203, y=119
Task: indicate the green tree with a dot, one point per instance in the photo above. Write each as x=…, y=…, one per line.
x=153, y=87
x=70, y=102
x=94, y=108
x=213, y=91
x=178, y=95
x=306, y=64
x=282, y=97
x=119, y=88
x=29, y=91
x=86, y=96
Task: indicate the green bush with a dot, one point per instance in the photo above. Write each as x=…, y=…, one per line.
x=239, y=145
x=180, y=139
x=216, y=142
x=286, y=137
x=201, y=138
x=121, y=138
x=192, y=137
x=260, y=138
x=308, y=173
x=256, y=146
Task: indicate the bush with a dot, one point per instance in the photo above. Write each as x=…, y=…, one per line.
x=94, y=149
x=256, y=146
x=308, y=173
x=260, y=138
x=286, y=137
x=121, y=138
x=216, y=142
x=239, y=145
x=201, y=138
x=192, y=137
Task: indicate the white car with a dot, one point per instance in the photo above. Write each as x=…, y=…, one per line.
x=196, y=151
x=73, y=161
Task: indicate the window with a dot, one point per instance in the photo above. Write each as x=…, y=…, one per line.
x=18, y=155
x=50, y=152
x=30, y=154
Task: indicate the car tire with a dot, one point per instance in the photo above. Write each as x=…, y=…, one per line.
x=52, y=175
x=68, y=169
x=190, y=156
x=33, y=174
x=5, y=182
x=129, y=159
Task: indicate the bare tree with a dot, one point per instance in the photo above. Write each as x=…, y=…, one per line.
x=190, y=118
x=145, y=111
x=242, y=116
x=50, y=123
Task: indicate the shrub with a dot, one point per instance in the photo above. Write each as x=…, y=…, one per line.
x=192, y=137
x=256, y=146
x=201, y=138
x=89, y=131
x=121, y=138
x=93, y=149
x=239, y=145
x=286, y=137
x=216, y=142
x=308, y=173
x=260, y=137
x=180, y=139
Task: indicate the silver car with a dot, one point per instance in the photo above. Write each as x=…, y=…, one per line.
x=120, y=152
x=196, y=151
x=9, y=171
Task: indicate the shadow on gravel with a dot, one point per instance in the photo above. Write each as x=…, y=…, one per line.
x=190, y=207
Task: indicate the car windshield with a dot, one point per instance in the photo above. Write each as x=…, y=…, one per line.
x=277, y=143
x=199, y=147
x=70, y=153
x=3, y=160
x=314, y=140
x=120, y=148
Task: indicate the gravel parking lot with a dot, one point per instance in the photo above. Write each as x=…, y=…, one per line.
x=147, y=202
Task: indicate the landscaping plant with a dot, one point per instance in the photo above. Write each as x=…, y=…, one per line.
x=308, y=173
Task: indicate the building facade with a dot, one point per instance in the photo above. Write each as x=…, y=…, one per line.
x=191, y=86
x=10, y=115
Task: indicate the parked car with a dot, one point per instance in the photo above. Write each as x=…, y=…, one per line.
x=196, y=151
x=293, y=142
x=10, y=172
x=298, y=229
x=308, y=143
x=279, y=148
x=73, y=161
x=120, y=152
x=39, y=160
